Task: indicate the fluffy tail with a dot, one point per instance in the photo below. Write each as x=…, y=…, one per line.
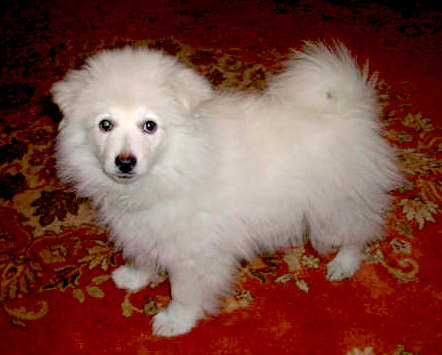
x=328, y=81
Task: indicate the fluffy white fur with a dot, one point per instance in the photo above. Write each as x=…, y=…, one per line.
x=224, y=176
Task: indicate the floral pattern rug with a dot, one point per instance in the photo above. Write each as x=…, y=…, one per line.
x=56, y=296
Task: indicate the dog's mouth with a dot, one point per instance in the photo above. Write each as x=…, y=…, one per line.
x=125, y=178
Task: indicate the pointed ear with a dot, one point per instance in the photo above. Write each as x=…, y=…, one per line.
x=191, y=88
x=65, y=92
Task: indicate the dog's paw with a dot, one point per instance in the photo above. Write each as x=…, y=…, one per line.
x=129, y=278
x=344, y=265
x=175, y=320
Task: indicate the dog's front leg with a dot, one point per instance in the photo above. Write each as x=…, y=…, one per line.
x=130, y=278
x=197, y=288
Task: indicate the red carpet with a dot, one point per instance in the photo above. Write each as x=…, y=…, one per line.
x=55, y=292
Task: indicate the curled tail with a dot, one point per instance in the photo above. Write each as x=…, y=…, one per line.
x=327, y=80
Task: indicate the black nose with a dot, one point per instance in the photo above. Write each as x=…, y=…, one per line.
x=125, y=162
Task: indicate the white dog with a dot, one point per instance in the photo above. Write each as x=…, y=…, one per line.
x=191, y=181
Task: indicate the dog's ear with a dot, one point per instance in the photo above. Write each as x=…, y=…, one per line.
x=66, y=91
x=191, y=88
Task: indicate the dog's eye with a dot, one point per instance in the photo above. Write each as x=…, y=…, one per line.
x=105, y=125
x=149, y=126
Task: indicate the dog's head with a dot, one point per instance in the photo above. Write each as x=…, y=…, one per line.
x=126, y=102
